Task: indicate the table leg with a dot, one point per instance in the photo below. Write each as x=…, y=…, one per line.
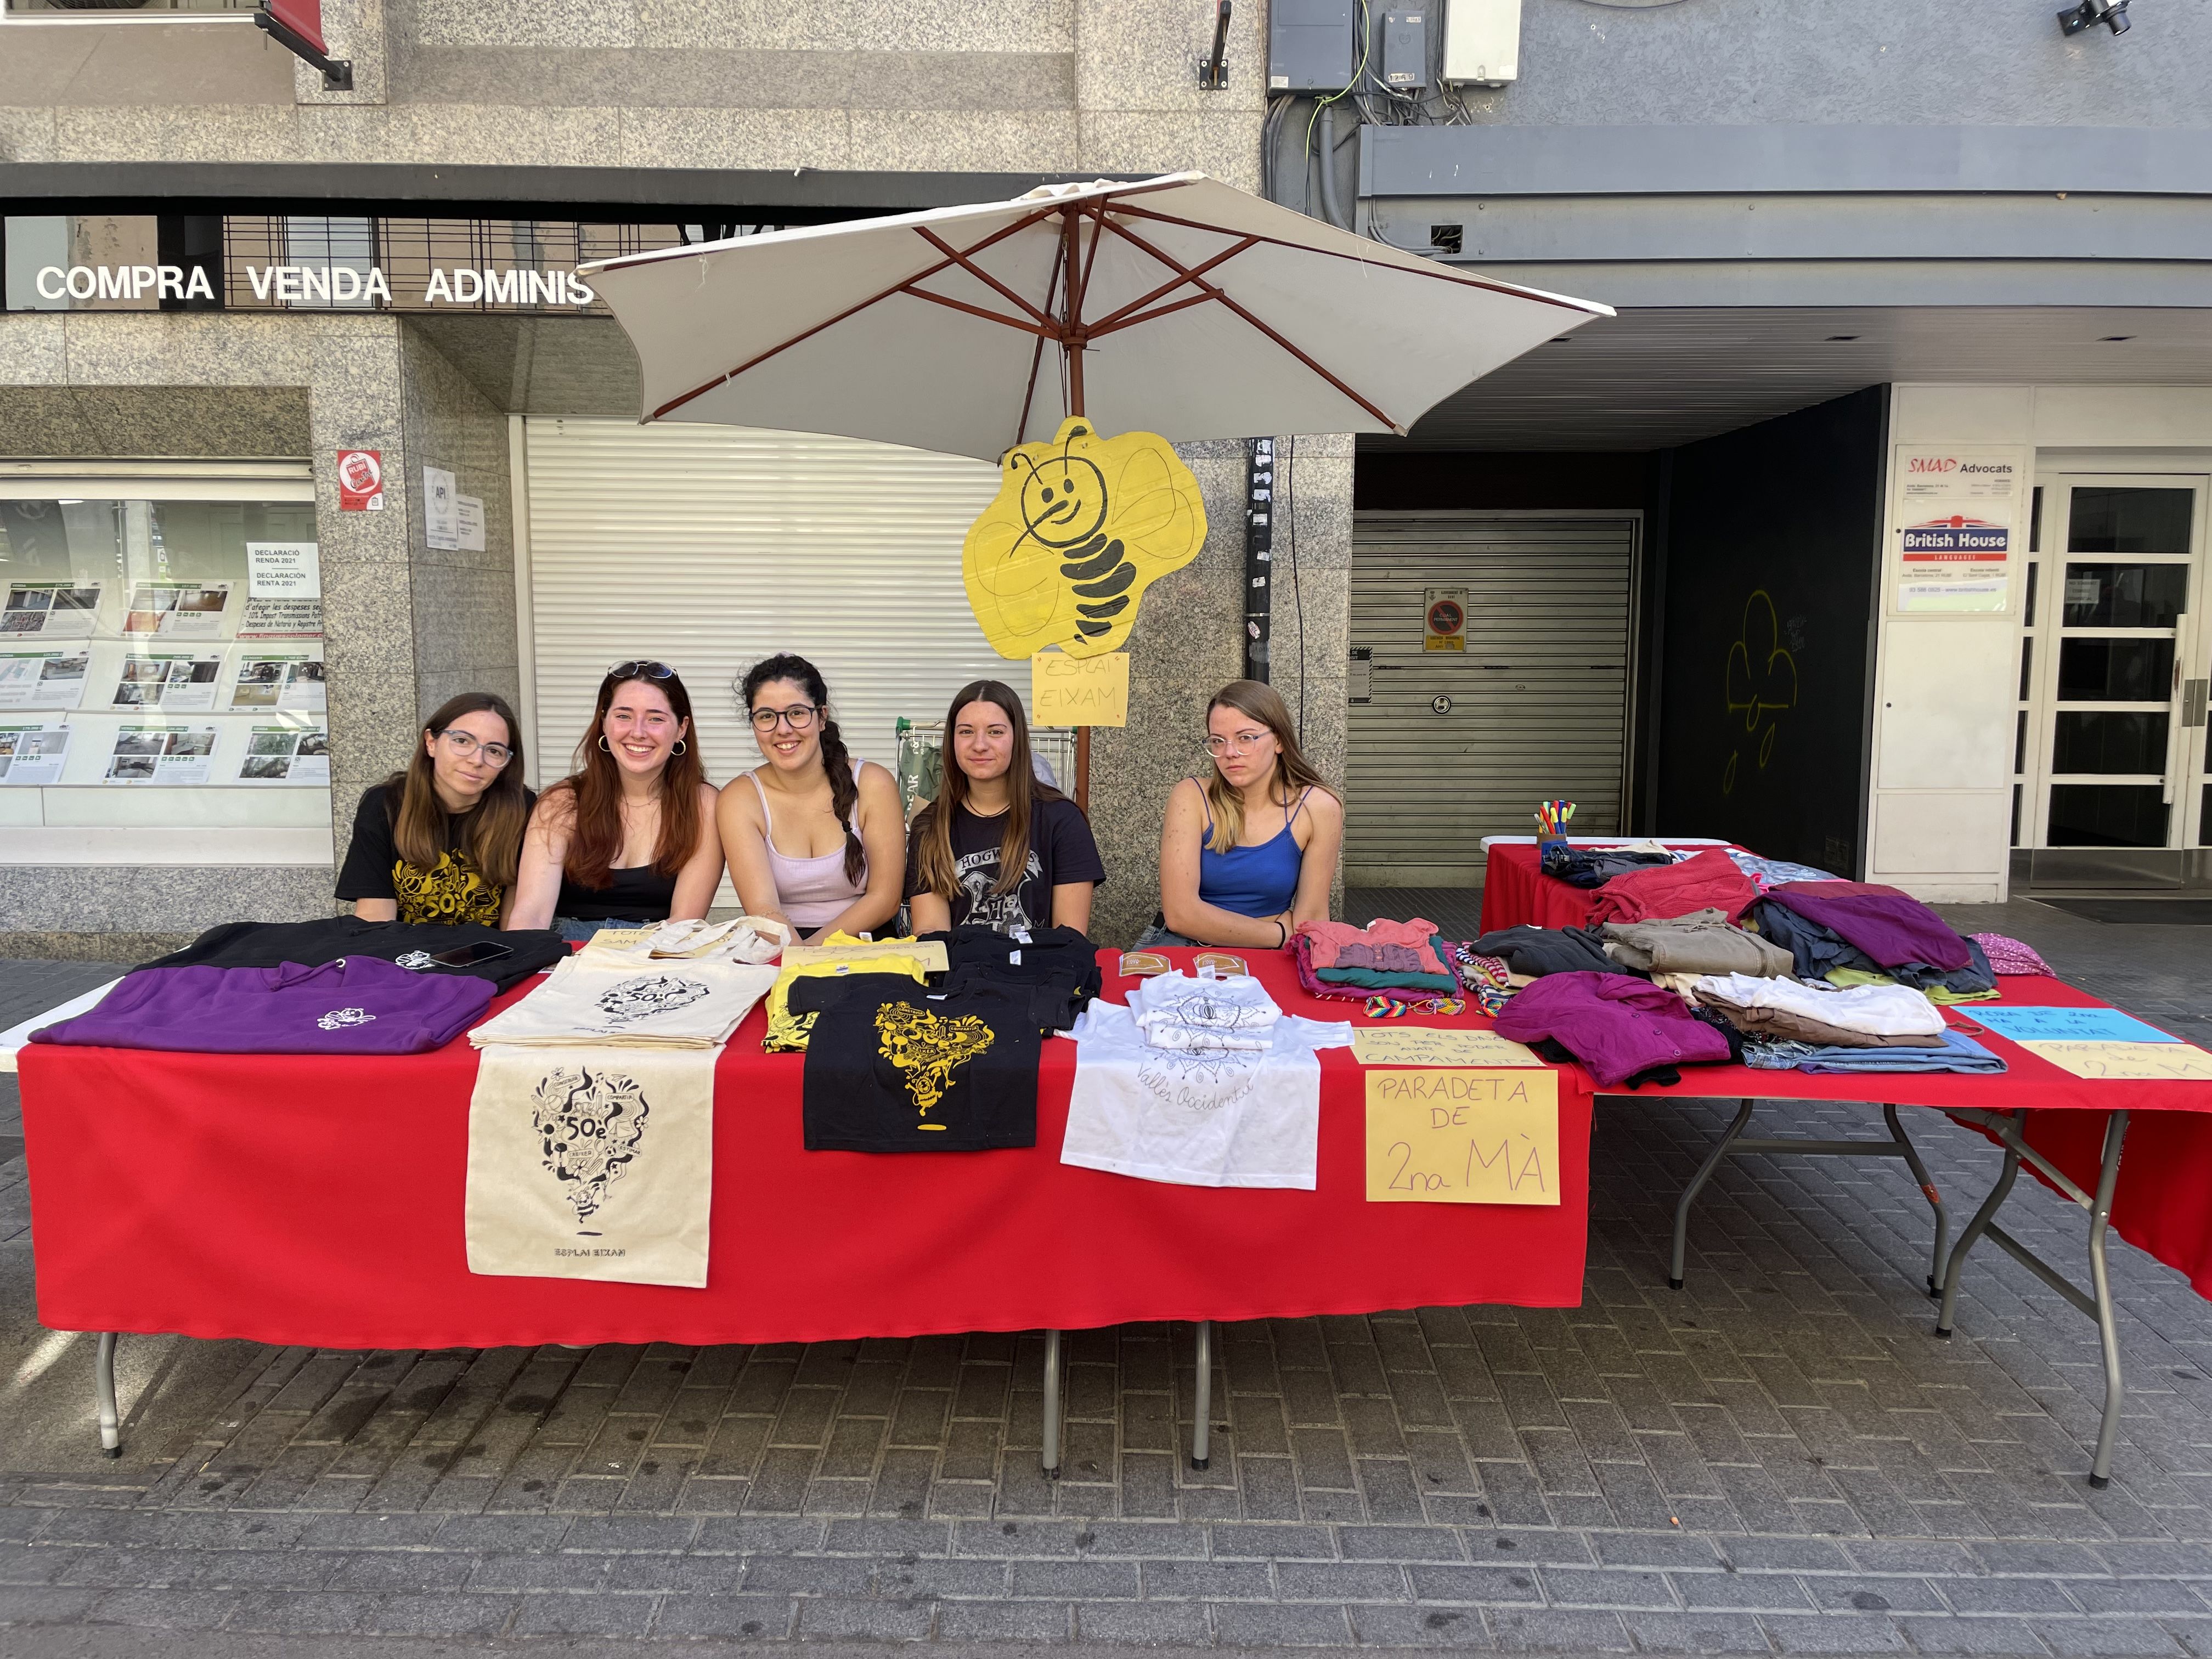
x=1928, y=1191
x=1052, y=1404
x=1975, y=1229
x=1202, y=1431
x=1697, y=1185
x=103, y=1387
x=2108, y=1335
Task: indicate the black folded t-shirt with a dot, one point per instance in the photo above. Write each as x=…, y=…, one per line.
x=410, y=943
x=892, y=1066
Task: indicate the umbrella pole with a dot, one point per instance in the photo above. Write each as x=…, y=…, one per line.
x=1072, y=347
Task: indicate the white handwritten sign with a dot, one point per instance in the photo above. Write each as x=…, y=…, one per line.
x=1463, y=1137
x=1436, y=1045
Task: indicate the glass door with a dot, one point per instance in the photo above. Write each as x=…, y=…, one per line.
x=2112, y=736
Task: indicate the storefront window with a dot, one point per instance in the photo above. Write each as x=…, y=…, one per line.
x=162, y=658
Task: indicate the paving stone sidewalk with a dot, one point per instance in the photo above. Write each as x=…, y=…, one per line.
x=1778, y=1458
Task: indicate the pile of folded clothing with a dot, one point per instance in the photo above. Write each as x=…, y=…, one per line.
x=1530, y=952
x=1855, y=932
x=1702, y=942
x=1593, y=867
x=1709, y=881
x=1789, y=1025
x=588, y=1002
x=1622, y=1028
x=1402, y=960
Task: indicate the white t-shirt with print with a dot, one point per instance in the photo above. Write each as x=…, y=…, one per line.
x=1223, y=1117
x=1176, y=1010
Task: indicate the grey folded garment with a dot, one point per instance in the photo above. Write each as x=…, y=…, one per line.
x=1786, y=1025
x=1698, y=943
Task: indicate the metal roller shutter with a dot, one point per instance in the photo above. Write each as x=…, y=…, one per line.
x=1538, y=701
x=712, y=547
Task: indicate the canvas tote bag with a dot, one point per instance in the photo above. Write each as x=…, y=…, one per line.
x=589, y=1163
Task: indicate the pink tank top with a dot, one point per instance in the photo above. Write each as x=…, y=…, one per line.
x=813, y=892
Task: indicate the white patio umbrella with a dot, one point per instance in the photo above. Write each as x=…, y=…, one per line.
x=1180, y=305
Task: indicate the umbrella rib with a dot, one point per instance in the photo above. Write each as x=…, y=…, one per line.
x=1050, y=330
x=1215, y=294
x=1154, y=316
x=977, y=272
x=906, y=287
x=1461, y=278
x=1113, y=319
x=1036, y=354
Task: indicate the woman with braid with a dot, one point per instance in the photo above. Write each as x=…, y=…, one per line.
x=815, y=837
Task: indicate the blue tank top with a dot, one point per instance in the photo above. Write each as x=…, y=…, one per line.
x=1252, y=881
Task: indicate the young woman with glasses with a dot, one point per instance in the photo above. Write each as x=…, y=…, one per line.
x=816, y=838
x=1250, y=854
x=998, y=848
x=628, y=838
x=439, y=842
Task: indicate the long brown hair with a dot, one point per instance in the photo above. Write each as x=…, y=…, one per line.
x=939, y=870
x=491, y=830
x=836, y=762
x=596, y=784
x=1294, y=773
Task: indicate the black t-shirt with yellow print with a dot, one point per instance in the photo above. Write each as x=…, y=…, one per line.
x=451, y=891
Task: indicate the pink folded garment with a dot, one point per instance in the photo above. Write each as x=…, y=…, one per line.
x=2009, y=956
x=1329, y=936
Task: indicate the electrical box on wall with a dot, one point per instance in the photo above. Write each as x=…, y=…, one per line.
x=1405, y=49
x=1482, y=41
x=1310, y=46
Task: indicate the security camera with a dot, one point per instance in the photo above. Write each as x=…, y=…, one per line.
x=2112, y=13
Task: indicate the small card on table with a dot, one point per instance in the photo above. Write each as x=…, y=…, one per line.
x=2146, y=1061
x=1436, y=1045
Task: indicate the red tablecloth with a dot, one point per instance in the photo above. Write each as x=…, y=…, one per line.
x=2163, y=1203
x=306, y=1200
x=1516, y=889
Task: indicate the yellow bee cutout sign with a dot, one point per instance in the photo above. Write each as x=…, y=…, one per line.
x=1080, y=526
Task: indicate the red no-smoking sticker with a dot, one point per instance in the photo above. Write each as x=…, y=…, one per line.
x=361, y=480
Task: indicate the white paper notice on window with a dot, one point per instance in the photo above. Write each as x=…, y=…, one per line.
x=161, y=754
x=472, y=522
x=43, y=679
x=287, y=755
x=33, y=754
x=441, y=510
x=284, y=570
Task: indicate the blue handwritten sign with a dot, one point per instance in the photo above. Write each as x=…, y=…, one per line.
x=2066, y=1025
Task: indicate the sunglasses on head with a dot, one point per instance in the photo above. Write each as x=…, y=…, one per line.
x=644, y=668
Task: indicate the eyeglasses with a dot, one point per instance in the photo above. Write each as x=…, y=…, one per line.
x=1244, y=742
x=644, y=668
x=798, y=717
x=494, y=754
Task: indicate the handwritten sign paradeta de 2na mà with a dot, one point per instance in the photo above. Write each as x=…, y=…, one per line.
x=1463, y=1137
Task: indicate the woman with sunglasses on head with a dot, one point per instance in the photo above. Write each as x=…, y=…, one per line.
x=439, y=842
x=998, y=848
x=1250, y=854
x=629, y=836
x=816, y=838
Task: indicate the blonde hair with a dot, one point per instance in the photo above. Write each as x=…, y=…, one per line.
x=1295, y=773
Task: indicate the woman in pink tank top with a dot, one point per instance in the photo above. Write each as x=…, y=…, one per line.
x=814, y=837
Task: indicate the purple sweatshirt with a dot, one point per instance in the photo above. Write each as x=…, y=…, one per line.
x=1893, y=929
x=1615, y=1024
x=355, y=1005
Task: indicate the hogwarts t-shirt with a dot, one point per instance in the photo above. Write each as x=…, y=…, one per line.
x=1061, y=851
x=451, y=891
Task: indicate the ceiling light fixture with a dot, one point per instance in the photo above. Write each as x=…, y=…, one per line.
x=2113, y=339
x=1832, y=339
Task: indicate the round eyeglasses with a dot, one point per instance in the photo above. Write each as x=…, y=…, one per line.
x=1244, y=742
x=798, y=717
x=493, y=754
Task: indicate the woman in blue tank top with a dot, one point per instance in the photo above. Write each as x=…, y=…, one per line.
x=1248, y=855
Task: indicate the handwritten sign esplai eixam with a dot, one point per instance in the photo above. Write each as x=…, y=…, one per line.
x=1463, y=1137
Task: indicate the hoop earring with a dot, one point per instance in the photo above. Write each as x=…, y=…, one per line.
x=681, y=747
x=602, y=744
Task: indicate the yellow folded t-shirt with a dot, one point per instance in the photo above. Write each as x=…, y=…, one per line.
x=787, y=1031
